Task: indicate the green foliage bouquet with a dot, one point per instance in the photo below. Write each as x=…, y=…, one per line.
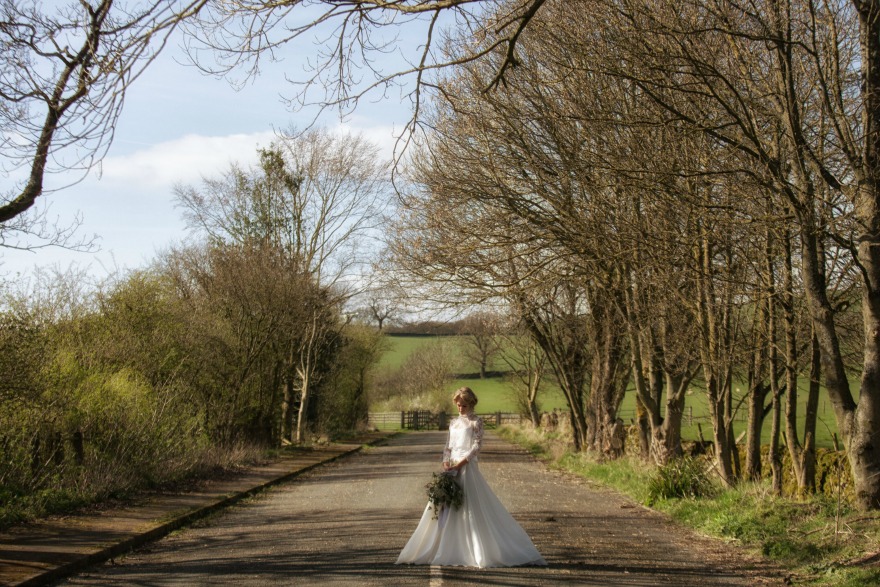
x=444, y=491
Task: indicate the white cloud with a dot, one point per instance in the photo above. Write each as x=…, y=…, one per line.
x=189, y=158
x=131, y=206
x=186, y=159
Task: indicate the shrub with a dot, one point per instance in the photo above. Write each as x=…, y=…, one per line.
x=681, y=477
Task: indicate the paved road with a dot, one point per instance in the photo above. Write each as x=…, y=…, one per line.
x=345, y=523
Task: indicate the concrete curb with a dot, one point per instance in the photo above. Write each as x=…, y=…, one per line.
x=163, y=529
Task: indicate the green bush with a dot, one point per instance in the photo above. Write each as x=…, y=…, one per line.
x=167, y=373
x=681, y=477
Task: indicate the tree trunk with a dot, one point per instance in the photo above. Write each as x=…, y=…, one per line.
x=863, y=443
x=862, y=429
x=287, y=409
x=857, y=424
x=754, y=426
x=534, y=382
x=774, y=371
x=711, y=339
x=644, y=429
x=811, y=415
x=609, y=372
x=676, y=392
x=567, y=357
x=803, y=455
x=758, y=369
x=302, y=413
x=304, y=372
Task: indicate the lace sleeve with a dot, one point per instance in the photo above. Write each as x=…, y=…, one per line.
x=447, y=450
x=477, y=442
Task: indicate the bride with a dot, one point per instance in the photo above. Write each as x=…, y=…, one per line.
x=480, y=533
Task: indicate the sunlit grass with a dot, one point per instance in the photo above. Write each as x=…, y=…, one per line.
x=817, y=540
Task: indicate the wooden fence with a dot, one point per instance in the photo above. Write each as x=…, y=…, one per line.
x=688, y=418
x=425, y=420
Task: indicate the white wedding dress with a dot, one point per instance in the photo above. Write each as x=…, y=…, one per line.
x=481, y=533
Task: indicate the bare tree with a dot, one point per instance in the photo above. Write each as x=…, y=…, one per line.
x=36, y=229
x=380, y=311
x=312, y=201
x=471, y=251
x=791, y=91
x=316, y=197
x=527, y=369
x=481, y=329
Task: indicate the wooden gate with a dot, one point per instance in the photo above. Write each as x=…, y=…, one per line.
x=423, y=420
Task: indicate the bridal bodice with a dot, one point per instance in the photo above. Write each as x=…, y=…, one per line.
x=465, y=439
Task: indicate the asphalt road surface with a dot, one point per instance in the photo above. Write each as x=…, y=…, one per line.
x=345, y=523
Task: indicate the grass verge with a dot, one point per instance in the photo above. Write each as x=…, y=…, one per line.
x=816, y=541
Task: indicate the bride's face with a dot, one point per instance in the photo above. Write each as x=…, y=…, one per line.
x=463, y=406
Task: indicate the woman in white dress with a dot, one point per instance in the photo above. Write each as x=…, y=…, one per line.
x=480, y=533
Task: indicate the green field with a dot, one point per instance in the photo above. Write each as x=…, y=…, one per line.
x=495, y=394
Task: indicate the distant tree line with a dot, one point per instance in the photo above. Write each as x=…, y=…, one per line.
x=427, y=328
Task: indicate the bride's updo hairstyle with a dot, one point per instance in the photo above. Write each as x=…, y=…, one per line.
x=466, y=394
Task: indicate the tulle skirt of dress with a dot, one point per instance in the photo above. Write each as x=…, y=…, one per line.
x=481, y=533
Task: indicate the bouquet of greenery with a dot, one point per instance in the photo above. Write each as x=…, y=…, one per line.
x=444, y=491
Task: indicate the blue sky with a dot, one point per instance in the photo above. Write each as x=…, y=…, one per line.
x=179, y=125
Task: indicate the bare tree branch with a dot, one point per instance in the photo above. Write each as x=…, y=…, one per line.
x=64, y=72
